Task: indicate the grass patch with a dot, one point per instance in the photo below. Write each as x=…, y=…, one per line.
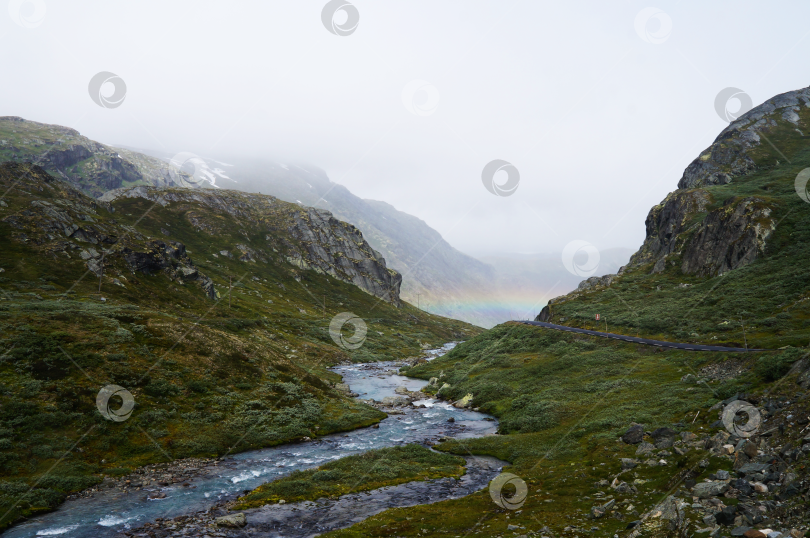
x=363, y=472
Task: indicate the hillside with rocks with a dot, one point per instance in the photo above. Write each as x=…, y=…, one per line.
x=90, y=166
x=446, y=280
x=611, y=438
x=212, y=309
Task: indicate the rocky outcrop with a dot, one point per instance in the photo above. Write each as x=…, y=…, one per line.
x=593, y=283
x=338, y=249
x=733, y=153
x=666, y=224
x=730, y=237
x=171, y=258
x=681, y=232
x=61, y=224
x=544, y=315
x=311, y=238
x=690, y=229
x=596, y=282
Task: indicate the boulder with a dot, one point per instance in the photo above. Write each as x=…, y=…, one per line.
x=726, y=515
x=232, y=521
x=705, y=490
x=759, y=487
x=751, y=468
x=663, y=432
x=743, y=486
x=749, y=448
x=634, y=435
x=465, y=402
x=395, y=401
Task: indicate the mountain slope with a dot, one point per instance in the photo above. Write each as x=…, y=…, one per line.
x=90, y=166
x=725, y=250
x=618, y=439
x=211, y=308
x=435, y=275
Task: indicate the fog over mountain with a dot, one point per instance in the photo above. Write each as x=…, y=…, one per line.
x=407, y=108
x=517, y=81
x=344, y=268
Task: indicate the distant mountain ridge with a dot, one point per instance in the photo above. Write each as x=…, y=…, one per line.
x=435, y=276
x=90, y=166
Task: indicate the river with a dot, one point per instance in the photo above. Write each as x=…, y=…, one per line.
x=109, y=513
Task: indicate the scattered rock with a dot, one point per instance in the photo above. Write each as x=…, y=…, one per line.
x=232, y=521
x=634, y=435
x=705, y=490
x=663, y=437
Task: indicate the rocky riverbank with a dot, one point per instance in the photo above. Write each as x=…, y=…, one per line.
x=293, y=520
x=151, y=478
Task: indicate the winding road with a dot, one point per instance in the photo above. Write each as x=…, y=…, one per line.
x=645, y=341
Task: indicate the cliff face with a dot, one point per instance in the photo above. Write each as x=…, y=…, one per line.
x=710, y=226
x=308, y=238
x=681, y=231
x=90, y=166
x=446, y=281
x=338, y=249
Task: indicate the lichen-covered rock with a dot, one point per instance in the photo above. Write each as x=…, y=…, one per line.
x=666, y=224
x=730, y=237
x=232, y=520
x=704, y=490
x=338, y=249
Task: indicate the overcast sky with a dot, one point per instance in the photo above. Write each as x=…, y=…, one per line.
x=598, y=113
